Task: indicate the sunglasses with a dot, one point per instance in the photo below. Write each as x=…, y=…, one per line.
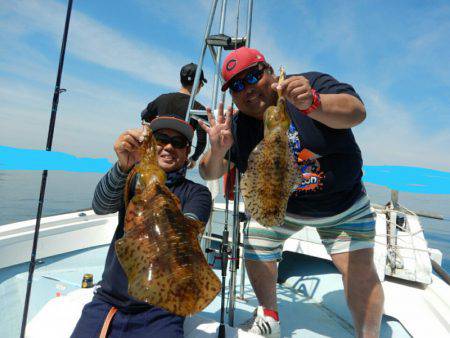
x=178, y=142
x=251, y=78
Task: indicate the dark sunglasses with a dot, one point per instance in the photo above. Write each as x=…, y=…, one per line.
x=178, y=142
x=251, y=78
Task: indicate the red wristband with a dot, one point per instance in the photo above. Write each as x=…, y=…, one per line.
x=314, y=105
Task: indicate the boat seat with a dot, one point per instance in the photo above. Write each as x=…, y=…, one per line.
x=58, y=318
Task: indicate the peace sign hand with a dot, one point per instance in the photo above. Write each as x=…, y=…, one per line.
x=219, y=131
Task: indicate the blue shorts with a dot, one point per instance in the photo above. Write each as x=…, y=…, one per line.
x=155, y=322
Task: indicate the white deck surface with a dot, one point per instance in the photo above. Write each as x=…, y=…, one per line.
x=316, y=309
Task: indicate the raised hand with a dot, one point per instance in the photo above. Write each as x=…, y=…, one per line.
x=219, y=131
x=127, y=148
x=297, y=90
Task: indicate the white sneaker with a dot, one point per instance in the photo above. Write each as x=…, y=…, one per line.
x=265, y=326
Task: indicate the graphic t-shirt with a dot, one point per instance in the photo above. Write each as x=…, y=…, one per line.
x=329, y=159
x=306, y=162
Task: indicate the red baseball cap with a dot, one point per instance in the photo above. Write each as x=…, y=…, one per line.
x=238, y=61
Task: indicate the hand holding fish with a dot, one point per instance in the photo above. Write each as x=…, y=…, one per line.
x=297, y=90
x=127, y=148
x=219, y=130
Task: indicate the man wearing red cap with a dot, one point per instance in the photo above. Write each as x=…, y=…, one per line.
x=331, y=196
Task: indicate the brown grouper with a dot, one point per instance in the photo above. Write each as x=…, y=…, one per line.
x=160, y=251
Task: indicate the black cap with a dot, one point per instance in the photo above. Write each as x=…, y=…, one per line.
x=172, y=121
x=187, y=74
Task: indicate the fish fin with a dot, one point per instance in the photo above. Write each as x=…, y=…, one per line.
x=126, y=193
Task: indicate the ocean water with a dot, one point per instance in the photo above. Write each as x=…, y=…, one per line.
x=72, y=191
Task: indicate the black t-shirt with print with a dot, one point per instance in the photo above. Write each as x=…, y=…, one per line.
x=195, y=201
x=330, y=159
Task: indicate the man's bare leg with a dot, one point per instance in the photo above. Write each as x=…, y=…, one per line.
x=363, y=290
x=263, y=277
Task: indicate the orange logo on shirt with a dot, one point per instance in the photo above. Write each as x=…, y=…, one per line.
x=312, y=176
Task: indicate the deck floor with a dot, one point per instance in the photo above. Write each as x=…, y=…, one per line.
x=311, y=300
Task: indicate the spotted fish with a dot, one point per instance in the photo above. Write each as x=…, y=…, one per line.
x=159, y=251
x=271, y=173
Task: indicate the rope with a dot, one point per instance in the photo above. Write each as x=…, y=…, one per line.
x=406, y=212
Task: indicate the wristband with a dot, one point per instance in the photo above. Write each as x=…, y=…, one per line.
x=314, y=105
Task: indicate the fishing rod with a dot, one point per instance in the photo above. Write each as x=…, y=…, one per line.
x=224, y=247
x=51, y=128
x=235, y=237
x=226, y=250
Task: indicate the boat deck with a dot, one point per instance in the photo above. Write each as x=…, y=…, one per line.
x=311, y=299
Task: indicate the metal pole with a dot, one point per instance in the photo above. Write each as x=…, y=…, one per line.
x=200, y=60
x=236, y=223
x=241, y=287
x=219, y=56
x=51, y=128
x=215, y=84
x=249, y=22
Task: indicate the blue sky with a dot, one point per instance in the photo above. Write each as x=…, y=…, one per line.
x=122, y=54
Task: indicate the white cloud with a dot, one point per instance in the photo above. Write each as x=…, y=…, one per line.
x=92, y=41
x=91, y=114
x=392, y=133
x=391, y=136
x=87, y=123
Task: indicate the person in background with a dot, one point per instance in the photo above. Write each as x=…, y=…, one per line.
x=177, y=103
x=331, y=195
x=112, y=309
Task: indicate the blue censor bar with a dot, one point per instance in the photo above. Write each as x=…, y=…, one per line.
x=409, y=179
x=28, y=159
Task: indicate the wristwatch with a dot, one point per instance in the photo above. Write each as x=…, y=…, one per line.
x=314, y=105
